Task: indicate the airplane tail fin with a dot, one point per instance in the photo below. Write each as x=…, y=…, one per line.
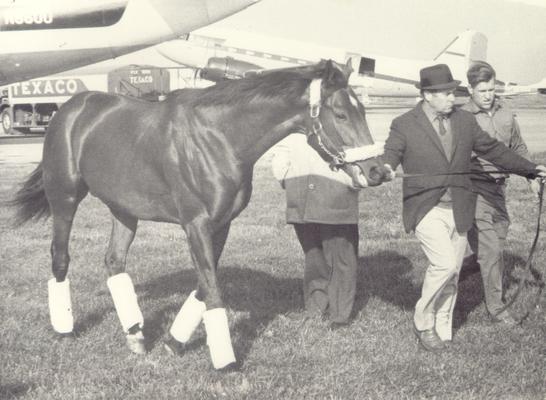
x=541, y=86
x=462, y=51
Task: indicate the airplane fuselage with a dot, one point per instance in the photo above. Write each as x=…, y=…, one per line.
x=46, y=37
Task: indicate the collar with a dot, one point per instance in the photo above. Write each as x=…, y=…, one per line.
x=475, y=109
x=431, y=113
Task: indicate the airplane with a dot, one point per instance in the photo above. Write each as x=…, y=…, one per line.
x=222, y=53
x=511, y=89
x=41, y=38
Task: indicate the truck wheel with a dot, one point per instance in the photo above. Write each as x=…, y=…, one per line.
x=6, y=121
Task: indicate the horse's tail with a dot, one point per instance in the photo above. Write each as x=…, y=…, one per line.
x=30, y=200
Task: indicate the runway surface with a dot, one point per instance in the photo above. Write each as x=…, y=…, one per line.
x=532, y=121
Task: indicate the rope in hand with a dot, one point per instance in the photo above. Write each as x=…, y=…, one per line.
x=528, y=264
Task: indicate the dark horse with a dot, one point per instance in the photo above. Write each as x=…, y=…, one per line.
x=186, y=160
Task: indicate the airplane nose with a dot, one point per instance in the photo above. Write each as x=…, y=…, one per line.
x=218, y=9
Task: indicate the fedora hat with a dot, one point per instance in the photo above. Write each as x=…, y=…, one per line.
x=436, y=77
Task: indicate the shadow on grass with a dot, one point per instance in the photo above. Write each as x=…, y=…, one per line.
x=386, y=275
x=14, y=390
x=259, y=295
x=90, y=320
x=262, y=296
x=471, y=286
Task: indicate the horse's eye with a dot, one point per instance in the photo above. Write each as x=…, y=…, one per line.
x=341, y=117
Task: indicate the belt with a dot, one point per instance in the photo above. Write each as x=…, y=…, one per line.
x=490, y=179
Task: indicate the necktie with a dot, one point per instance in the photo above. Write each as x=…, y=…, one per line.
x=441, y=126
x=445, y=138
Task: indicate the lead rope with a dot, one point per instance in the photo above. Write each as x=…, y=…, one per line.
x=528, y=267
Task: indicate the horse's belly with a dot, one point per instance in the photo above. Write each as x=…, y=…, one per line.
x=138, y=191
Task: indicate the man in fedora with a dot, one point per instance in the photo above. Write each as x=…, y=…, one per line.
x=434, y=139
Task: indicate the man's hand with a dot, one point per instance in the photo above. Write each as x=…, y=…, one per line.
x=534, y=186
x=390, y=173
x=541, y=173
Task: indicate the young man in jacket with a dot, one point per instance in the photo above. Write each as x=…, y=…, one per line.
x=434, y=139
x=488, y=233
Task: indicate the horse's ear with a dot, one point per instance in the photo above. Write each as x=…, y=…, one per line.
x=349, y=67
x=334, y=75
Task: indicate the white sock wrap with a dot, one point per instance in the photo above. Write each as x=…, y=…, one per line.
x=188, y=318
x=60, y=305
x=125, y=300
x=218, y=338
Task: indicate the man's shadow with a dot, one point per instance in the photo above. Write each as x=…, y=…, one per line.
x=386, y=275
x=471, y=293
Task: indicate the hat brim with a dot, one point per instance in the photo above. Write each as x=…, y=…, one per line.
x=442, y=86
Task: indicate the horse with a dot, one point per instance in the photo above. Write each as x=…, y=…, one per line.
x=188, y=160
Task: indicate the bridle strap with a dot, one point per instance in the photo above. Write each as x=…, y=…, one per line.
x=314, y=98
x=315, y=104
x=338, y=158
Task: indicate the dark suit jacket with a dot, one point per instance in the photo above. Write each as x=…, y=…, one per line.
x=414, y=143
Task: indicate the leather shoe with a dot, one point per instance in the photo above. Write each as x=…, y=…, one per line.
x=429, y=340
x=505, y=318
x=334, y=326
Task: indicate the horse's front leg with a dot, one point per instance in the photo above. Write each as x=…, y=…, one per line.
x=120, y=284
x=206, y=247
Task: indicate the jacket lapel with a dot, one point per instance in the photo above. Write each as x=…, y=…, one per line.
x=455, y=132
x=428, y=128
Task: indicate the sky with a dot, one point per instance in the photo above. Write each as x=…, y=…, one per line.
x=516, y=29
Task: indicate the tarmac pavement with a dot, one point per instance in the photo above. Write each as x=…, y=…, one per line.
x=22, y=150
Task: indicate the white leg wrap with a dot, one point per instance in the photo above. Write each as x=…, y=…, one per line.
x=125, y=300
x=218, y=338
x=188, y=318
x=60, y=305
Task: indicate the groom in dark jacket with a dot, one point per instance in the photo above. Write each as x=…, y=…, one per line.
x=434, y=139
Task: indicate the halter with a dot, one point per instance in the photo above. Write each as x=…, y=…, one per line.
x=339, y=158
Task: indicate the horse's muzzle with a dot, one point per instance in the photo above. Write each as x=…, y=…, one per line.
x=369, y=172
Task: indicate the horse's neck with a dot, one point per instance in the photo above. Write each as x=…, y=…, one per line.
x=271, y=126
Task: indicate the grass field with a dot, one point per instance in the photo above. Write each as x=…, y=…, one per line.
x=284, y=355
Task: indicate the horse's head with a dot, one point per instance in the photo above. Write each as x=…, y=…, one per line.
x=338, y=128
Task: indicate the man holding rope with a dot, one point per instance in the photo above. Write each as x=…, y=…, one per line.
x=434, y=142
x=488, y=233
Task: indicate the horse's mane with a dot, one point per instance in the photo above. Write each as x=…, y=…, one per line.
x=288, y=83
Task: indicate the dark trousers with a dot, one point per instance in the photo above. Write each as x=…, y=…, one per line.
x=487, y=238
x=329, y=279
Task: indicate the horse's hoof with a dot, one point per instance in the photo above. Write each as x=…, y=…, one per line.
x=231, y=367
x=174, y=347
x=65, y=336
x=136, y=343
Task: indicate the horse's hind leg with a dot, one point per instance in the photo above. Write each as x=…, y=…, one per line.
x=63, y=205
x=119, y=282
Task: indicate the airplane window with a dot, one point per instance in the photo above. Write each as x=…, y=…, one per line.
x=367, y=66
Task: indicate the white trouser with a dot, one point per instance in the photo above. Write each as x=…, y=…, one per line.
x=445, y=249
